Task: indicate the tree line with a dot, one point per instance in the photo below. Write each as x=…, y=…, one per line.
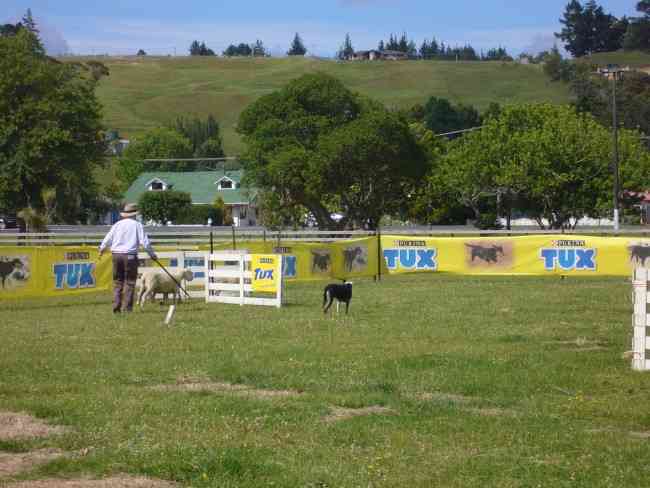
x=587, y=29
x=243, y=49
x=345, y=153
x=441, y=51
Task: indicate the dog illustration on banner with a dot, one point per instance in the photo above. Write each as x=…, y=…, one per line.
x=14, y=271
x=481, y=254
x=321, y=261
x=639, y=253
x=355, y=258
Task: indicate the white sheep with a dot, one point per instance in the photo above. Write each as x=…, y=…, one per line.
x=155, y=281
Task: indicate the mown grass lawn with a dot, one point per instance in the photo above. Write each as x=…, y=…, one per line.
x=508, y=382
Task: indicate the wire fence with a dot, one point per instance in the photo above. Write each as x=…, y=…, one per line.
x=62, y=235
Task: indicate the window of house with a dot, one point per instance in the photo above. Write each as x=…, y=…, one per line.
x=225, y=184
x=157, y=186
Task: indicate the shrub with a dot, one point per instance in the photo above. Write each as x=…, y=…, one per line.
x=164, y=206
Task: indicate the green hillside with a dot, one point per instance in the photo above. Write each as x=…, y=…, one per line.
x=635, y=59
x=145, y=92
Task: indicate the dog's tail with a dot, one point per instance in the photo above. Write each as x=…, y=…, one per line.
x=324, y=297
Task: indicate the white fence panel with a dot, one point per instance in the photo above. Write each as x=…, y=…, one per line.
x=640, y=320
x=229, y=276
x=192, y=260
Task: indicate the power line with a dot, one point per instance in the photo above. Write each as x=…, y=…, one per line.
x=459, y=131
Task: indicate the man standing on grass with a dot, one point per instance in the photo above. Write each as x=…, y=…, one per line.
x=125, y=238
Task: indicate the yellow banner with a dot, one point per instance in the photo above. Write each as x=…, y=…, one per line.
x=52, y=271
x=526, y=255
x=265, y=269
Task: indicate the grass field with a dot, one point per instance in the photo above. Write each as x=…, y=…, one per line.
x=141, y=93
x=508, y=382
x=622, y=58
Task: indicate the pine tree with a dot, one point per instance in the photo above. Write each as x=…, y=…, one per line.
x=258, y=49
x=297, y=47
x=392, y=45
x=637, y=35
x=346, y=51
x=644, y=7
x=425, y=50
x=412, y=50
x=403, y=45
x=381, y=47
x=434, y=48
x=574, y=29
x=29, y=23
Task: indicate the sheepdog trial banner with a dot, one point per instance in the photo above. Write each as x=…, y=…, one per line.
x=52, y=271
x=525, y=255
x=265, y=270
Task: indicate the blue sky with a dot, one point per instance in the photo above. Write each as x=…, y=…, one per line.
x=168, y=27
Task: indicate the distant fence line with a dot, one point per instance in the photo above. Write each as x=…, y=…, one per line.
x=193, y=236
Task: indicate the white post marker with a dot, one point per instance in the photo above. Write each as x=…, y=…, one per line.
x=170, y=314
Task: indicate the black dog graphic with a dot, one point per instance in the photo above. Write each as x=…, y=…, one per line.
x=8, y=267
x=349, y=256
x=489, y=254
x=321, y=262
x=639, y=253
x=342, y=293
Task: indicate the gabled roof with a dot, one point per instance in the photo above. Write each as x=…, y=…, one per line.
x=201, y=185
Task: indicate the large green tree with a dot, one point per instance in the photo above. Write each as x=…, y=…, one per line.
x=317, y=144
x=165, y=206
x=441, y=116
x=204, y=135
x=551, y=162
x=638, y=31
x=157, y=143
x=588, y=29
x=50, y=129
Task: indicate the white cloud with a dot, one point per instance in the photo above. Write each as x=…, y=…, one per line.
x=52, y=39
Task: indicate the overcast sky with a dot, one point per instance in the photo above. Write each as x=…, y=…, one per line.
x=168, y=27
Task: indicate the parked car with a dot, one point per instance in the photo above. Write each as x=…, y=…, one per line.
x=8, y=222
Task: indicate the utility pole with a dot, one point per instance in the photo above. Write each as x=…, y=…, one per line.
x=615, y=73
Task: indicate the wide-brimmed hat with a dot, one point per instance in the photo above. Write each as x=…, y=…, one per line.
x=130, y=210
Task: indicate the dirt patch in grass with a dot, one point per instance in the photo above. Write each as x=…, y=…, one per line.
x=446, y=397
x=338, y=414
x=580, y=344
x=613, y=430
x=190, y=384
x=640, y=435
x=492, y=412
x=23, y=426
x=11, y=464
x=115, y=482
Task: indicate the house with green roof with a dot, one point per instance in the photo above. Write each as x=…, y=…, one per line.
x=204, y=187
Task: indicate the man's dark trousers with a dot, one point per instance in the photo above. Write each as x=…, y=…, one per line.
x=125, y=274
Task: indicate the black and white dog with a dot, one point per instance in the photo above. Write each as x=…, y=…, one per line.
x=342, y=293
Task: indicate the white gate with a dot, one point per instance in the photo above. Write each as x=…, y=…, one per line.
x=229, y=278
x=640, y=322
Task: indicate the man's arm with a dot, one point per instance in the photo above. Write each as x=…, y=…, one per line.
x=144, y=241
x=108, y=240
